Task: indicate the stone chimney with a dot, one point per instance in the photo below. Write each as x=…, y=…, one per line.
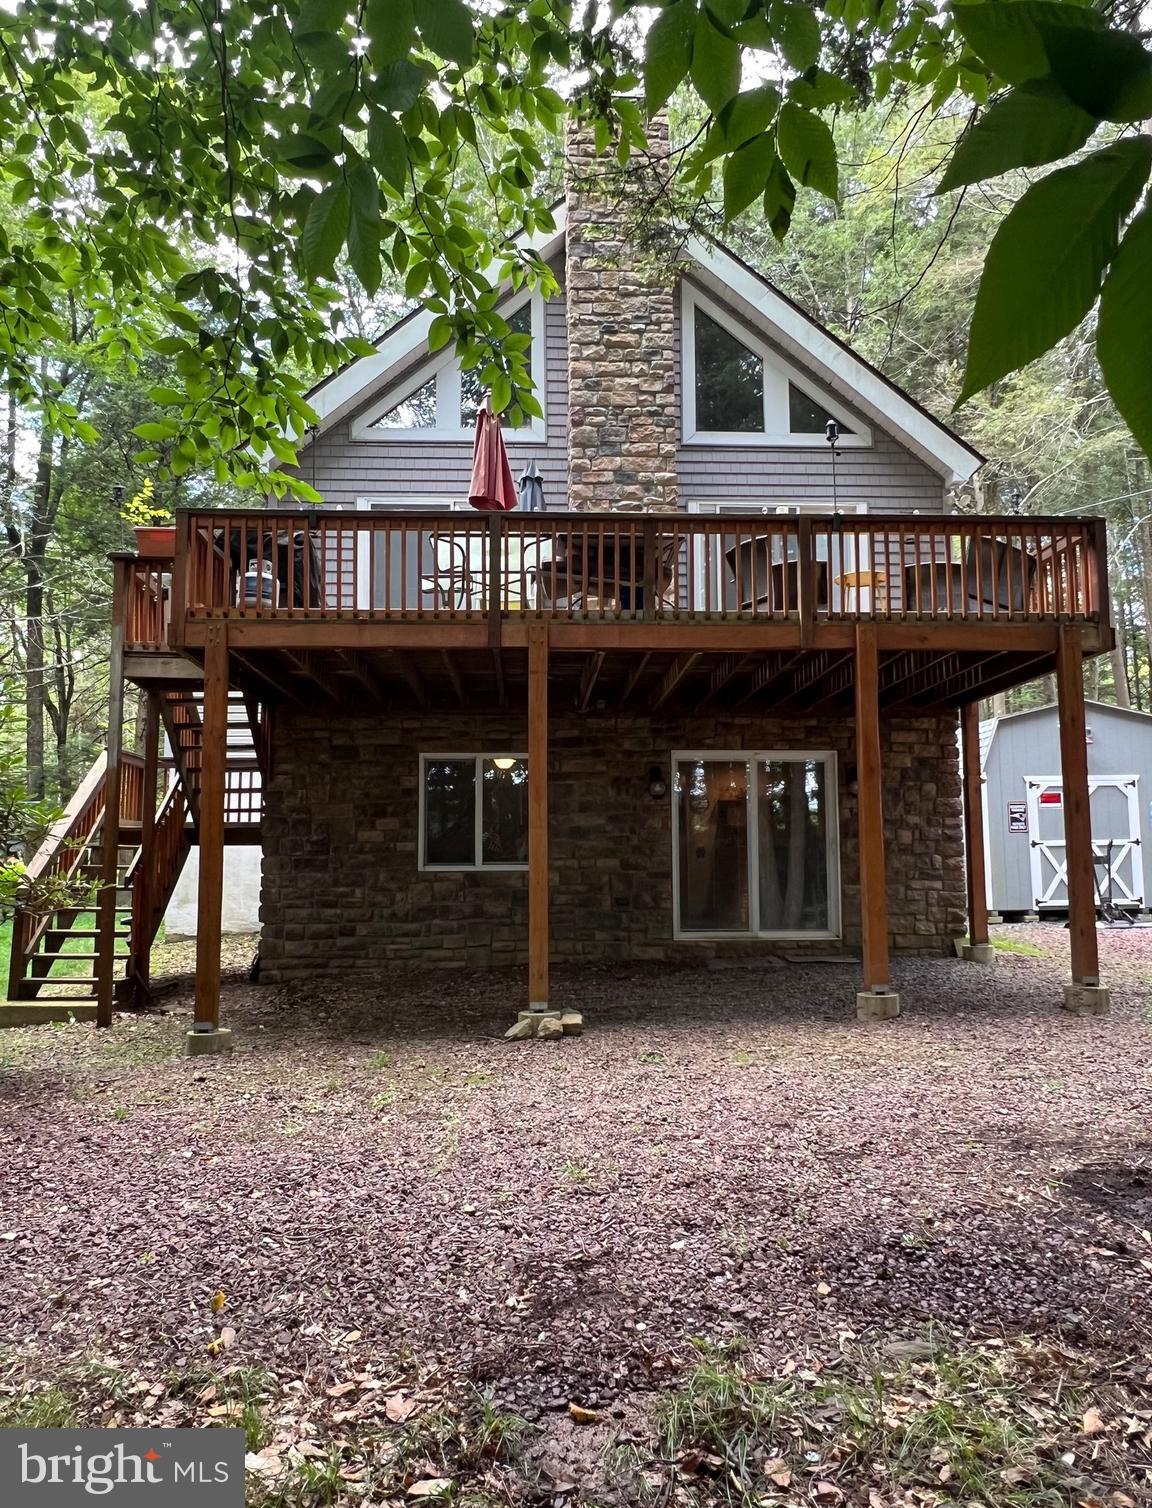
x=624, y=424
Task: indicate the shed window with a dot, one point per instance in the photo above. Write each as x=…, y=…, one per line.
x=474, y=811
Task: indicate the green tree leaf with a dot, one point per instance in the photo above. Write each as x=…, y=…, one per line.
x=668, y=52
x=715, y=63
x=807, y=149
x=320, y=17
x=1006, y=35
x=746, y=173
x=798, y=34
x=390, y=26
x=364, y=251
x=742, y=119
x=448, y=26
x=1035, y=124
x=399, y=85
x=1106, y=73
x=388, y=148
x=779, y=200
x=1043, y=269
x=1124, y=329
x=325, y=229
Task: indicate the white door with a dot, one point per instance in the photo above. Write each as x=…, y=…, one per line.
x=1115, y=806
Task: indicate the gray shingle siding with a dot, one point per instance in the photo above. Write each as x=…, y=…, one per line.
x=886, y=476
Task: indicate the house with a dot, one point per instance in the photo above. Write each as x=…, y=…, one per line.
x=1024, y=808
x=704, y=704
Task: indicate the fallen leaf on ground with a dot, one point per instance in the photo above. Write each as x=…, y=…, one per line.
x=219, y=1299
x=1092, y=1422
x=431, y=1487
x=398, y=1407
x=338, y=1389
x=583, y=1415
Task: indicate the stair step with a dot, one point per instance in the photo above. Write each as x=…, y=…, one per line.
x=88, y=932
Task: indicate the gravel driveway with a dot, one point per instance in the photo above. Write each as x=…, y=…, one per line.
x=722, y=1153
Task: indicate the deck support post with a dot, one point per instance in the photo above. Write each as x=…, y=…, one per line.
x=1084, y=996
x=142, y=908
x=977, y=949
x=110, y=835
x=538, y=948
x=206, y=1034
x=877, y=1001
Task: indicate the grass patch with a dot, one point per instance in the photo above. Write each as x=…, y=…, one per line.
x=1020, y=949
x=48, y=1408
x=991, y=1425
x=468, y=1453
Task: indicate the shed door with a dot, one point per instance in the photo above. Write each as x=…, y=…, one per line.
x=1115, y=806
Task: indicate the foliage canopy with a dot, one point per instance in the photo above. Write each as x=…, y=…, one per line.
x=196, y=172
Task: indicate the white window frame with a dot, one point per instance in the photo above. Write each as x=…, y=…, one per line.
x=445, y=368
x=778, y=373
x=768, y=510
x=478, y=834
x=829, y=759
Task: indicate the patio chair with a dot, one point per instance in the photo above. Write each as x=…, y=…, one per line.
x=1000, y=580
x=452, y=583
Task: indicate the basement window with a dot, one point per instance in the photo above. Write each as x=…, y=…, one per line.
x=473, y=811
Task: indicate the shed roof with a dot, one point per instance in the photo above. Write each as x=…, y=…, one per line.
x=991, y=725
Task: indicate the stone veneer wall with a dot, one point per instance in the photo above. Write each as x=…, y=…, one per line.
x=623, y=416
x=341, y=887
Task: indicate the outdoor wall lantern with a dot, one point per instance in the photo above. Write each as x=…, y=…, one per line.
x=657, y=785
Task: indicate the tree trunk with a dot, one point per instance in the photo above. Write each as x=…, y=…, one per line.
x=1144, y=550
x=34, y=677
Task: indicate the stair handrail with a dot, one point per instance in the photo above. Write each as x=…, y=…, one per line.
x=87, y=802
x=61, y=852
x=169, y=847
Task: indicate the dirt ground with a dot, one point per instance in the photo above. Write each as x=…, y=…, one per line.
x=721, y=1153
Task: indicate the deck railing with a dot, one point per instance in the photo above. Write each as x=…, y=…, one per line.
x=628, y=567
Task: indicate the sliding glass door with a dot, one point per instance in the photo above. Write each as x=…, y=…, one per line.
x=755, y=844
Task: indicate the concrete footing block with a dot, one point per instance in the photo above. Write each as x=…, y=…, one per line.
x=546, y=1024
x=201, y=1044
x=871, y=1006
x=34, y=1012
x=1087, y=999
x=979, y=953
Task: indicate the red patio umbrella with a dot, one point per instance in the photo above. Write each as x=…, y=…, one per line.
x=491, y=489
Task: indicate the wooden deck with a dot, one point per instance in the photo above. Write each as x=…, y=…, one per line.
x=663, y=611
x=359, y=613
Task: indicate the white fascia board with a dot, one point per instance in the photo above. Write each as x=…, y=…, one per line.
x=807, y=343
x=350, y=387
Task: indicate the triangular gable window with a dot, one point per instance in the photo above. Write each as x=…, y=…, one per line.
x=444, y=400
x=738, y=389
x=807, y=417
x=729, y=380
x=417, y=411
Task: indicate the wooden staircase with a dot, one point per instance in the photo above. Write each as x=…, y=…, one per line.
x=57, y=953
